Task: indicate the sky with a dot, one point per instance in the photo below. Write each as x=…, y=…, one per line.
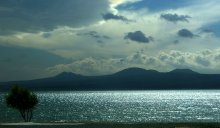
x=42, y=38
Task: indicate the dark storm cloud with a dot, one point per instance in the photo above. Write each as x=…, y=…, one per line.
x=207, y=31
x=46, y=35
x=46, y=15
x=110, y=16
x=95, y=35
x=214, y=27
x=185, y=33
x=175, y=18
x=138, y=36
x=176, y=41
x=106, y=37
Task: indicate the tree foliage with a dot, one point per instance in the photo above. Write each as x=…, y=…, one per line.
x=23, y=100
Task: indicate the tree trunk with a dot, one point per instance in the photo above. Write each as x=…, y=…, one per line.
x=31, y=115
x=26, y=114
x=22, y=112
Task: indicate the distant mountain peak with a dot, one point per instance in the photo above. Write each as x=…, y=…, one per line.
x=67, y=75
x=127, y=79
x=135, y=71
x=183, y=71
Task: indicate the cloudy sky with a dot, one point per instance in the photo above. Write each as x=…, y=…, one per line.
x=41, y=38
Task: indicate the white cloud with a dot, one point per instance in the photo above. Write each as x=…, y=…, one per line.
x=205, y=61
x=115, y=3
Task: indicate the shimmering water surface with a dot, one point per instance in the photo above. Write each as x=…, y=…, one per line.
x=122, y=106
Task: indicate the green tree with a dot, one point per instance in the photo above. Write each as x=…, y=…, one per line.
x=23, y=100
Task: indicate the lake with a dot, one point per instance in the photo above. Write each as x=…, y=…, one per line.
x=122, y=106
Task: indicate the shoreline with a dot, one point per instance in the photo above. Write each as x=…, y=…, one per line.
x=113, y=125
x=41, y=124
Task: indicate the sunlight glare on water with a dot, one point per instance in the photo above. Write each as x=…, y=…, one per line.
x=124, y=106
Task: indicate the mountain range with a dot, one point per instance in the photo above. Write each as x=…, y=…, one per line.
x=128, y=79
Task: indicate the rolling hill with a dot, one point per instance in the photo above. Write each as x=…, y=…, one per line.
x=128, y=79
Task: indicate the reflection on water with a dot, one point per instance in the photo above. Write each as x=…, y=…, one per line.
x=123, y=106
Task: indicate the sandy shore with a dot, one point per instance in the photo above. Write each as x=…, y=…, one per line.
x=109, y=125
